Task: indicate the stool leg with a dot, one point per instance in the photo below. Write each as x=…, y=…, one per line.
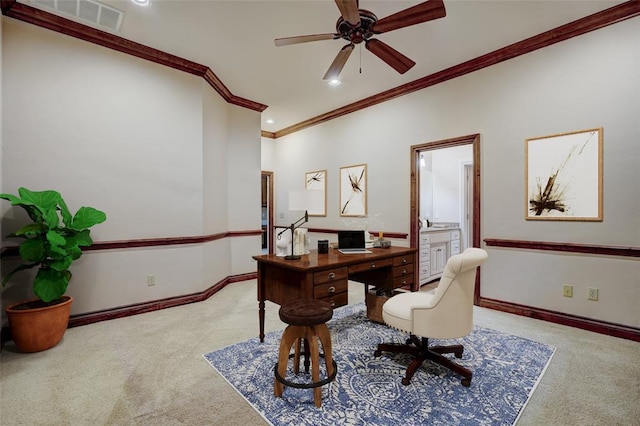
x=315, y=365
x=289, y=337
x=325, y=339
x=296, y=357
x=306, y=355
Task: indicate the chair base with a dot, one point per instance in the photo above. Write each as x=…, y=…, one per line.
x=420, y=349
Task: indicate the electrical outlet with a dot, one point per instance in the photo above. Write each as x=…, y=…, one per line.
x=592, y=293
x=567, y=290
x=151, y=280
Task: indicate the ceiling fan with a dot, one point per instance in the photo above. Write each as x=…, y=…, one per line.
x=358, y=25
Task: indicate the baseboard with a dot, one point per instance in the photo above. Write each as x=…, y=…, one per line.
x=141, y=308
x=601, y=327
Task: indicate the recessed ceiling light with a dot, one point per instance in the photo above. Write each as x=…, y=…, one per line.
x=334, y=82
x=269, y=121
x=141, y=2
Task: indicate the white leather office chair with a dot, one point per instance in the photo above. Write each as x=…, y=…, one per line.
x=446, y=313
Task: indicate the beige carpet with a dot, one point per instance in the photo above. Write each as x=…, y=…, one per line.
x=148, y=370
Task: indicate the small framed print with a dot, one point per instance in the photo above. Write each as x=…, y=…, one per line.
x=353, y=190
x=563, y=176
x=317, y=180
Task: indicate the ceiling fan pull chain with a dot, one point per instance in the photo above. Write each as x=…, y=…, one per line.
x=360, y=58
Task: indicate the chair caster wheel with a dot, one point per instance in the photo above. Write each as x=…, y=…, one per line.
x=405, y=381
x=466, y=382
x=377, y=353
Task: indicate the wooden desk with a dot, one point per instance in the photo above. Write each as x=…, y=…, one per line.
x=325, y=276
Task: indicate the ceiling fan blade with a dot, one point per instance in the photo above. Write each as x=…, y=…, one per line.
x=305, y=39
x=392, y=57
x=338, y=63
x=349, y=11
x=423, y=12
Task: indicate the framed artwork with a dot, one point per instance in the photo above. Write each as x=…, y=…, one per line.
x=317, y=180
x=563, y=176
x=353, y=190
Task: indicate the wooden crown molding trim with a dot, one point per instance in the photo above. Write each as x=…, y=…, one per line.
x=596, y=326
x=265, y=134
x=150, y=242
x=581, y=26
x=71, y=28
x=565, y=247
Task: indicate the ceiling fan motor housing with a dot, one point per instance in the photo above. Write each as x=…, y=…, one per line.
x=357, y=33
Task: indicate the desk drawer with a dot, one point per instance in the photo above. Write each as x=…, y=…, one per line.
x=368, y=266
x=337, y=300
x=401, y=271
x=330, y=289
x=403, y=260
x=404, y=281
x=329, y=275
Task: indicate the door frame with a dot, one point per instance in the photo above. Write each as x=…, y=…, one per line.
x=270, y=209
x=414, y=210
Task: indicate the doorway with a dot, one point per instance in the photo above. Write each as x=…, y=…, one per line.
x=267, y=211
x=473, y=231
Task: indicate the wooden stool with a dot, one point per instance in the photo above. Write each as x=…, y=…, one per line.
x=307, y=321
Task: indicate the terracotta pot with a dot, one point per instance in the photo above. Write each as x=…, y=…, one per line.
x=38, y=329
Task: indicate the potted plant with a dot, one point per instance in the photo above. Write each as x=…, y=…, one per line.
x=50, y=243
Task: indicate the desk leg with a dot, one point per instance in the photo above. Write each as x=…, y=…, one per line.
x=261, y=317
x=261, y=299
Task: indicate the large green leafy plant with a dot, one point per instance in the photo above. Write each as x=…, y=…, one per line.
x=52, y=242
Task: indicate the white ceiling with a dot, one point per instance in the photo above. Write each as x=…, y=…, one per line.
x=235, y=39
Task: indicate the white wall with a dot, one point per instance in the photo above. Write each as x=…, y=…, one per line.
x=589, y=81
x=1, y=132
x=447, y=184
x=147, y=144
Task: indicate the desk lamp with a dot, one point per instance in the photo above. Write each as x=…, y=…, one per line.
x=301, y=200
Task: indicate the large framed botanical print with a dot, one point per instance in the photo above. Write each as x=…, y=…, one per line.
x=353, y=190
x=563, y=176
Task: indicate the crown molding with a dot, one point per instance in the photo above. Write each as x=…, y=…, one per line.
x=576, y=28
x=56, y=23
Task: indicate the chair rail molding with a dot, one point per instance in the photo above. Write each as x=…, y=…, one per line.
x=597, y=326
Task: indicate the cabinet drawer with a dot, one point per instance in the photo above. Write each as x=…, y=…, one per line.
x=403, y=281
x=403, y=260
x=368, y=266
x=425, y=252
x=330, y=289
x=425, y=269
x=401, y=271
x=455, y=247
x=336, y=300
x=329, y=275
x=455, y=235
x=425, y=239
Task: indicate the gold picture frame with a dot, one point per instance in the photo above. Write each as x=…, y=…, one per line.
x=353, y=190
x=317, y=180
x=563, y=176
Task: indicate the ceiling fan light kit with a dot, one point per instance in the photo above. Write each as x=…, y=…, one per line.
x=359, y=25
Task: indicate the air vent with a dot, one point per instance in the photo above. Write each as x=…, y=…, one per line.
x=88, y=12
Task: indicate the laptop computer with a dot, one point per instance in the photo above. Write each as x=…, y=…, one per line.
x=351, y=242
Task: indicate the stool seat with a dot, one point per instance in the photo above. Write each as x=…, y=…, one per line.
x=306, y=312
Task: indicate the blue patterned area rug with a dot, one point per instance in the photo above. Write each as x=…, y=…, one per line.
x=367, y=390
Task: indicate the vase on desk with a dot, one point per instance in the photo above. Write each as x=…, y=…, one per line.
x=300, y=242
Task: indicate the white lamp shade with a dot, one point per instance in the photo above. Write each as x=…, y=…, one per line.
x=306, y=199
